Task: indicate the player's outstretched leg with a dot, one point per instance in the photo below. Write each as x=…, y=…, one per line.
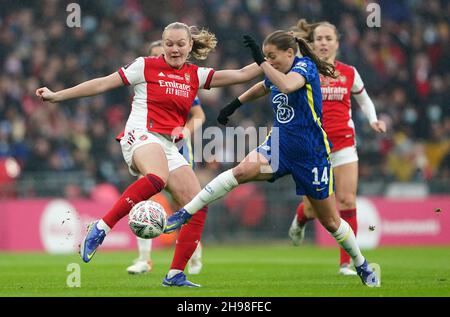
x=341, y=231
x=176, y=220
x=345, y=268
x=92, y=241
x=346, y=239
x=215, y=189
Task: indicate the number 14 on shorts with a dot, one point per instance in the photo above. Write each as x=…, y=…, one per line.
x=324, y=179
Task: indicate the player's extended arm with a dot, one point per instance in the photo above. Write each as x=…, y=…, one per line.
x=196, y=120
x=88, y=88
x=258, y=90
x=231, y=77
x=367, y=105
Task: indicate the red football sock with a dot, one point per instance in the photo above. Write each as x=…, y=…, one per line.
x=188, y=239
x=142, y=189
x=348, y=215
x=301, y=217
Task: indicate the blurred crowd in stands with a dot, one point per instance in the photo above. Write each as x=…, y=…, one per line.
x=404, y=63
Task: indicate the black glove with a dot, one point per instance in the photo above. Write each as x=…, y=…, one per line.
x=228, y=111
x=256, y=50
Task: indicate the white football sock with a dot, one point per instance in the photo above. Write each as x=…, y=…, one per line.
x=103, y=226
x=144, y=247
x=197, y=255
x=172, y=273
x=347, y=240
x=217, y=188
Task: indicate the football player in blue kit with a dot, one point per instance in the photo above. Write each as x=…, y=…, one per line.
x=297, y=144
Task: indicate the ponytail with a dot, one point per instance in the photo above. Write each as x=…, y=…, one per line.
x=203, y=42
x=323, y=67
x=305, y=30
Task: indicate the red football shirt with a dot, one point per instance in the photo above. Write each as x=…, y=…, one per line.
x=337, y=111
x=163, y=95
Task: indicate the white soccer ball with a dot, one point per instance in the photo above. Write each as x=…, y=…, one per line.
x=147, y=219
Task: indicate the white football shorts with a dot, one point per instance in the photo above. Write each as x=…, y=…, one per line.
x=344, y=156
x=134, y=139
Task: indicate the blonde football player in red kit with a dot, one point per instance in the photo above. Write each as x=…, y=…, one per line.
x=338, y=124
x=143, y=263
x=164, y=90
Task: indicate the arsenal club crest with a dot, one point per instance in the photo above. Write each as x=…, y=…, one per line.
x=187, y=77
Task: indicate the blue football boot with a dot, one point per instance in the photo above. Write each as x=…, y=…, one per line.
x=176, y=220
x=91, y=242
x=367, y=275
x=178, y=280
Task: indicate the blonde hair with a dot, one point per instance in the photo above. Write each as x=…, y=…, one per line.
x=203, y=40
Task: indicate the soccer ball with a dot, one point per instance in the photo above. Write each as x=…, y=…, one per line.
x=147, y=219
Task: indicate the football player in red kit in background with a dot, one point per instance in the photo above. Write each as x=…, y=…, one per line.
x=338, y=124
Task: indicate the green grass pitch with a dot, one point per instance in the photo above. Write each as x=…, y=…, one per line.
x=271, y=270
